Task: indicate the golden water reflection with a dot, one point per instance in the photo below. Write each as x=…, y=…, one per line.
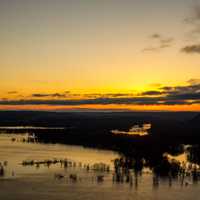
x=135, y=130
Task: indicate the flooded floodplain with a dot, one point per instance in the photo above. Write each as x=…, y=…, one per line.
x=31, y=170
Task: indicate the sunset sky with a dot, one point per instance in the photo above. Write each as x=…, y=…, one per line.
x=100, y=54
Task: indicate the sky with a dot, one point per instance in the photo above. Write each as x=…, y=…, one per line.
x=100, y=54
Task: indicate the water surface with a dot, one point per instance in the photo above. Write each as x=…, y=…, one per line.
x=33, y=182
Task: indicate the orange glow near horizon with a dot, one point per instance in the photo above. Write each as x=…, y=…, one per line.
x=97, y=107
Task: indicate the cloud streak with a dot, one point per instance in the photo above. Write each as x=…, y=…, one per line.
x=57, y=95
x=12, y=92
x=152, y=93
x=195, y=48
x=180, y=95
x=194, y=22
x=162, y=42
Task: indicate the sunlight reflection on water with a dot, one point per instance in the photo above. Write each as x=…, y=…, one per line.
x=135, y=130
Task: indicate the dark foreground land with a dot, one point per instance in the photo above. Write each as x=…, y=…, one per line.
x=94, y=128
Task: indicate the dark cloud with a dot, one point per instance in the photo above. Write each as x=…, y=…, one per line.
x=105, y=101
x=179, y=100
x=58, y=95
x=167, y=88
x=168, y=95
x=195, y=48
x=155, y=36
x=193, y=35
x=67, y=92
x=162, y=42
x=40, y=95
x=12, y=92
x=164, y=100
x=183, y=93
x=184, y=89
x=185, y=96
x=152, y=93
